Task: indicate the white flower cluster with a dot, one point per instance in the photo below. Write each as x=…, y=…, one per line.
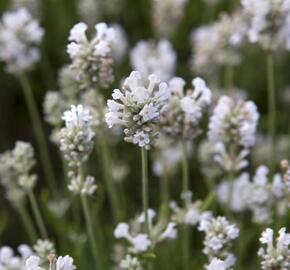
x=265, y=196
x=149, y=57
x=269, y=22
x=131, y=263
x=218, y=43
x=76, y=143
x=140, y=243
x=9, y=260
x=191, y=213
x=217, y=264
x=204, y=41
x=19, y=36
x=138, y=107
x=15, y=167
x=76, y=140
x=275, y=256
x=43, y=248
x=219, y=234
x=236, y=193
x=233, y=128
x=84, y=187
x=185, y=110
x=56, y=102
x=59, y=263
x=261, y=196
x=53, y=106
x=92, y=59
x=167, y=15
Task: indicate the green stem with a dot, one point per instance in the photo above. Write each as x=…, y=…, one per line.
x=26, y=220
x=91, y=233
x=37, y=215
x=164, y=192
x=107, y=174
x=185, y=188
x=229, y=77
x=39, y=132
x=145, y=198
x=271, y=106
x=185, y=172
x=208, y=201
x=228, y=208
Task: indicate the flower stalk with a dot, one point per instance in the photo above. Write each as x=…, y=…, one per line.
x=271, y=105
x=27, y=223
x=145, y=196
x=91, y=233
x=107, y=175
x=39, y=132
x=185, y=188
x=37, y=215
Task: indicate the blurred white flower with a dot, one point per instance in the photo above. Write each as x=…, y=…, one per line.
x=120, y=44
x=157, y=58
x=19, y=36
x=92, y=59
x=269, y=22
x=218, y=43
x=131, y=263
x=15, y=171
x=9, y=260
x=167, y=15
x=216, y=264
x=232, y=128
x=139, y=243
x=185, y=110
x=234, y=122
x=238, y=194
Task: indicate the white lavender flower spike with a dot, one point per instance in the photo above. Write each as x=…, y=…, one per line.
x=158, y=58
x=76, y=140
x=20, y=35
x=185, y=110
x=218, y=44
x=15, y=171
x=138, y=107
x=219, y=234
x=92, y=59
x=268, y=22
x=275, y=255
x=233, y=128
